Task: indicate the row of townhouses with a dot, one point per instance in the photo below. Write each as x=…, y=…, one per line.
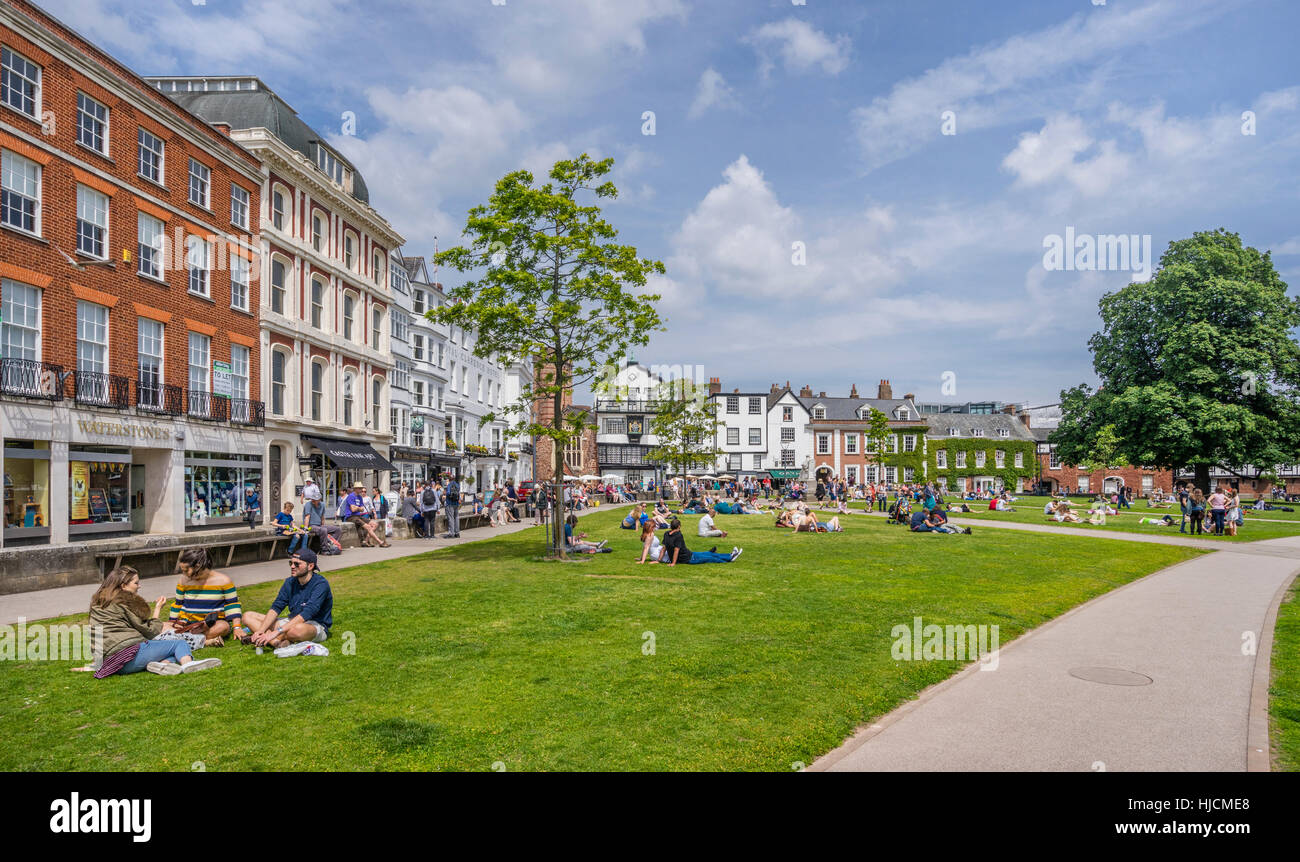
x=201, y=308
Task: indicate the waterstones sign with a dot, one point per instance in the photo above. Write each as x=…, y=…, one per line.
x=121, y=429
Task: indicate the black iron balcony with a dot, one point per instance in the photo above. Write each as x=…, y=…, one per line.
x=27, y=378
x=153, y=396
x=246, y=412
x=616, y=405
x=206, y=406
x=102, y=390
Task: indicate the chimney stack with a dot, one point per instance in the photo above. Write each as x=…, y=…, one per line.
x=806, y=391
x=885, y=392
x=775, y=389
x=715, y=385
x=821, y=394
x=735, y=392
x=1024, y=417
x=909, y=396
x=853, y=391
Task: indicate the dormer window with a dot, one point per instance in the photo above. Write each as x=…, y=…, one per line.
x=952, y=431
x=904, y=413
x=977, y=432
x=329, y=163
x=1003, y=432
x=819, y=412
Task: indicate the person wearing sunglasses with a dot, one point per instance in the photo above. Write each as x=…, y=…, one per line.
x=306, y=597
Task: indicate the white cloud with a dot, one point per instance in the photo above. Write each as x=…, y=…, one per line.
x=1050, y=155
x=800, y=47
x=1291, y=246
x=712, y=92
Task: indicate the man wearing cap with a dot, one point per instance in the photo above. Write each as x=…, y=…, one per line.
x=307, y=597
x=356, y=512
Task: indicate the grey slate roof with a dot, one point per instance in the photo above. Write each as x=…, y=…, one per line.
x=846, y=409
x=252, y=109
x=990, y=424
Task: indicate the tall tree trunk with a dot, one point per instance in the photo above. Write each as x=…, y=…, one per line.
x=1202, y=477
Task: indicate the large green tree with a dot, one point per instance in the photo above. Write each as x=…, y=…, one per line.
x=552, y=287
x=1199, y=366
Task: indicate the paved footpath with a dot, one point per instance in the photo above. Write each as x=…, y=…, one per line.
x=1189, y=629
x=63, y=601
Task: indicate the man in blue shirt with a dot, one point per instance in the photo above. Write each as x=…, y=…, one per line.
x=309, y=601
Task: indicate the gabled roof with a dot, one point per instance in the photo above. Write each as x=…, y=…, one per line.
x=988, y=423
x=846, y=409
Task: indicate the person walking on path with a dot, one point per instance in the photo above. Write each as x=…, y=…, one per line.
x=452, y=500
x=431, y=501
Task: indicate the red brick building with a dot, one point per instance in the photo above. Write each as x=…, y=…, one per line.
x=579, y=453
x=128, y=275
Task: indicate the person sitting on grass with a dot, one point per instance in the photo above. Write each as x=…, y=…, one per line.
x=1099, y=504
x=652, y=550
x=1064, y=514
x=675, y=550
x=204, y=595
x=937, y=521
x=636, y=518
x=1165, y=521
x=307, y=597
x=707, y=529
x=806, y=522
x=574, y=542
x=1049, y=509
x=784, y=518
x=124, y=631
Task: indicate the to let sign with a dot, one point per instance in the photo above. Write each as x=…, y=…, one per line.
x=221, y=379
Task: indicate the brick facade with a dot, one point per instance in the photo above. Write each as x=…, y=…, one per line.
x=1139, y=479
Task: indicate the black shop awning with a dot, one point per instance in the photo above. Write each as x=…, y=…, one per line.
x=349, y=454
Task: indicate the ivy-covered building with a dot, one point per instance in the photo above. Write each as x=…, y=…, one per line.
x=977, y=452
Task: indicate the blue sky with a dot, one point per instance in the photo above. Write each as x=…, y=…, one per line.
x=819, y=124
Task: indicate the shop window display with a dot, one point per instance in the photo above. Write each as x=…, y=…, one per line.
x=26, y=486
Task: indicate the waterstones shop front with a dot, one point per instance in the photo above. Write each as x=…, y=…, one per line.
x=74, y=473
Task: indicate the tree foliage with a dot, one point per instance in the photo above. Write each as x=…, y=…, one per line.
x=550, y=287
x=686, y=426
x=1199, y=366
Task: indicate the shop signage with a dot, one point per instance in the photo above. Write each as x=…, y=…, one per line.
x=79, y=510
x=221, y=378
x=121, y=429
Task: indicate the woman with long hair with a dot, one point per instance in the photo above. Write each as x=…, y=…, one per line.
x=652, y=549
x=124, y=628
x=1196, y=510
x=204, y=595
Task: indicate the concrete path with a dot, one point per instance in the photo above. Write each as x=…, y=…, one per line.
x=62, y=601
x=1201, y=631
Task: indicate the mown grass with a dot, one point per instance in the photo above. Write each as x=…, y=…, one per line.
x=1029, y=510
x=1284, y=690
x=483, y=655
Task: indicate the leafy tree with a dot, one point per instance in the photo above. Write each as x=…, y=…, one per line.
x=1104, y=452
x=1198, y=366
x=552, y=287
x=878, y=436
x=686, y=426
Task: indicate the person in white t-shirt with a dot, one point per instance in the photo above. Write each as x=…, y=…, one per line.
x=707, y=529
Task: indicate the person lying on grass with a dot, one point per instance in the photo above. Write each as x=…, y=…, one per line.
x=675, y=550
x=652, y=550
x=934, y=521
x=574, y=542
x=124, y=630
x=205, y=596
x=307, y=596
x=806, y=522
x=1064, y=514
x=1166, y=521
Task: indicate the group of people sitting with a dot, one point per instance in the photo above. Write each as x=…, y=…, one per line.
x=131, y=636
x=800, y=519
x=672, y=549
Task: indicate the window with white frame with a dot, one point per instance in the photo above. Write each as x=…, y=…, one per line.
x=149, y=248
x=278, y=292
x=417, y=347
x=819, y=413
x=20, y=198
x=1053, y=460
x=149, y=353
x=952, y=431
x=755, y=436
x=349, y=309
x=317, y=390
x=349, y=251
x=197, y=261
x=755, y=406
x=279, y=378
x=317, y=232
x=92, y=350
x=393, y=425
x=909, y=442
x=869, y=445
x=239, y=355
x=398, y=324
x=376, y=329
x=417, y=301
x=318, y=303
x=200, y=186
x=417, y=392
x=239, y=275
x=20, y=83
x=787, y=414
x=200, y=350
x=479, y=388
x=1148, y=483
x=330, y=164
x=904, y=414
x=616, y=425
x=823, y=444
x=21, y=321
x=277, y=208
x=909, y=474
x=891, y=474
x=92, y=124
x=149, y=156
x=377, y=267
x=893, y=442
x=999, y=458
x=961, y=459
x=239, y=206
x=941, y=459
x=376, y=399
x=787, y=435
x=977, y=432
x=733, y=404
x=758, y=462
x=787, y=457
x=980, y=457
x=1003, y=432
x=348, y=384
x=92, y=222
x=850, y=443
x=733, y=436
x=1084, y=483
x=401, y=374
x=1019, y=459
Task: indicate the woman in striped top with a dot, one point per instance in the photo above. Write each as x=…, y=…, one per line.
x=206, y=595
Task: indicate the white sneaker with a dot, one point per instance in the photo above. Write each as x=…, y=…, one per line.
x=736, y=553
x=201, y=664
x=293, y=649
x=163, y=668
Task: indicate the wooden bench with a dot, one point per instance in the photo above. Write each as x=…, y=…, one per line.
x=228, y=544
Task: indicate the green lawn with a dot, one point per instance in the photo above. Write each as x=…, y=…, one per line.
x=1284, y=691
x=1029, y=510
x=483, y=655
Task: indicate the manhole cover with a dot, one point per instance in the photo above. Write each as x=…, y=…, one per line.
x=1110, y=676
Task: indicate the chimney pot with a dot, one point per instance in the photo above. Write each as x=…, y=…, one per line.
x=885, y=391
x=909, y=396
x=853, y=391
